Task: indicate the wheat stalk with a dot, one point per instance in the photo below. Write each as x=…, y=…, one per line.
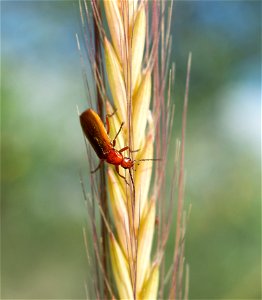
x=131, y=57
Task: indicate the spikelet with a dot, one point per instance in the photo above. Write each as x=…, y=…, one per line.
x=132, y=209
x=149, y=290
x=120, y=269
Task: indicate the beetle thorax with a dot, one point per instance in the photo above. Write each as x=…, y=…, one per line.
x=114, y=157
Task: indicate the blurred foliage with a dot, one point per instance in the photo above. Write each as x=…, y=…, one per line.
x=43, y=211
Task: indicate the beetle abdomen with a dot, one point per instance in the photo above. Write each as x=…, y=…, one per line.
x=95, y=132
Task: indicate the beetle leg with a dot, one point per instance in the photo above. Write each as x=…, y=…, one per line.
x=114, y=140
x=123, y=149
x=126, y=148
x=98, y=167
x=111, y=115
x=117, y=171
x=107, y=121
x=107, y=125
x=134, y=150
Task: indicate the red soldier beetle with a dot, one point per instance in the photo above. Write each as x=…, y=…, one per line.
x=97, y=135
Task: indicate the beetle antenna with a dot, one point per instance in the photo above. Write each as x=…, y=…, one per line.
x=148, y=159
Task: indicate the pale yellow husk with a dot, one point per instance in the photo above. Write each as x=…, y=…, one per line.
x=149, y=290
x=138, y=34
x=141, y=102
x=145, y=238
x=116, y=80
x=116, y=27
x=120, y=270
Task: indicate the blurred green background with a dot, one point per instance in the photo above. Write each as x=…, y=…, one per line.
x=42, y=208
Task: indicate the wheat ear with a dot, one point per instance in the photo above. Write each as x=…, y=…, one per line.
x=133, y=210
x=135, y=52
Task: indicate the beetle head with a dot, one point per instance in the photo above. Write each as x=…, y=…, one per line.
x=127, y=163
